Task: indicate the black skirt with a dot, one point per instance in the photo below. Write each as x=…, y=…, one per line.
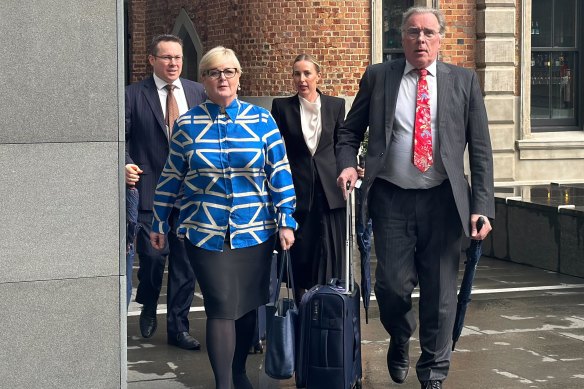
x=317, y=253
x=233, y=282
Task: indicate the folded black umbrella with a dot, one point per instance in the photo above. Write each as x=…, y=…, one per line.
x=132, y=226
x=132, y=198
x=364, y=243
x=473, y=254
x=363, y=227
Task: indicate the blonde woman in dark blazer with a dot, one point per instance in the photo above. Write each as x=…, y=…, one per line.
x=309, y=121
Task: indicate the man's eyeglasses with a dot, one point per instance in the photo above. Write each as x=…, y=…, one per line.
x=414, y=33
x=169, y=58
x=216, y=73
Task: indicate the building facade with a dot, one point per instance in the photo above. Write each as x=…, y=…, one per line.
x=62, y=242
x=526, y=53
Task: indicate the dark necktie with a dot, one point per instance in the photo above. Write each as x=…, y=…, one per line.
x=422, y=125
x=171, y=108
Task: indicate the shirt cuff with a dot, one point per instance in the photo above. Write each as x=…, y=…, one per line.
x=160, y=227
x=286, y=220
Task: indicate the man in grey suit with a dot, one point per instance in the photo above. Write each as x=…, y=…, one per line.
x=149, y=120
x=420, y=212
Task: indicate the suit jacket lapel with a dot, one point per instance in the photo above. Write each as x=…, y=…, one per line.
x=444, y=86
x=151, y=94
x=294, y=108
x=189, y=94
x=393, y=76
x=326, y=120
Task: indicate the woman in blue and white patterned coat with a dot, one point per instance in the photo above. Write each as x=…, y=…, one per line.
x=229, y=158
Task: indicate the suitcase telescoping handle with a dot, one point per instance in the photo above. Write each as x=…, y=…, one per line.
x=349, y=277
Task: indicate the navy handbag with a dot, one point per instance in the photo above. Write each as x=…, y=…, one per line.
x=281, y=335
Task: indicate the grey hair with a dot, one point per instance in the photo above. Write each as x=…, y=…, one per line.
x=424, y=10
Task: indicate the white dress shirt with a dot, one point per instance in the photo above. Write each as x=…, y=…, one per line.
x=178, y=92
x=399, y=168
x=181, y=100
x=311, y=122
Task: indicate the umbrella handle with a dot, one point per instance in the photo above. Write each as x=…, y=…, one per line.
x=480, y=223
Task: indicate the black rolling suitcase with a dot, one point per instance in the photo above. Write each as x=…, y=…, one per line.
x=328, y=354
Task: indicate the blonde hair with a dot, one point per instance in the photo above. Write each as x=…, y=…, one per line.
x=215, y=56
x=309, y=58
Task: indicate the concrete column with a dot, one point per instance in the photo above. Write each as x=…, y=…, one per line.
x=496, y=66
x=62, y=316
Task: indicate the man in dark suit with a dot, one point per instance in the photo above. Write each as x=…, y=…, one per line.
x=150, y=115
x=419, y=210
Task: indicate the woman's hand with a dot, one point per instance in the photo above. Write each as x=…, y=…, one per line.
x=286, y=237
x=157, y=240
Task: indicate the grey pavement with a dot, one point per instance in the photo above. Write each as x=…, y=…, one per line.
x=524, y=329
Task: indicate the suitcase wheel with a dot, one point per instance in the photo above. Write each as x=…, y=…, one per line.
x=358, y=384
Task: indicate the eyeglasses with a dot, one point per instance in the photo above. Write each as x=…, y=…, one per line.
x=216, y=73
x=169, y=58
x=414, y=33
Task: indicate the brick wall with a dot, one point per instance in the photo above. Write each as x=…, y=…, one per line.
x=147, y=19
x=273, y=33
x=138, y=39
x=268, y=34
x=458, y=45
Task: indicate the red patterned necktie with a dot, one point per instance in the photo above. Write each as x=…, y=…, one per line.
x=422, y=125
x=171, y=108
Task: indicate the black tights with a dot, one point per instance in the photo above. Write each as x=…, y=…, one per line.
x=228, y=343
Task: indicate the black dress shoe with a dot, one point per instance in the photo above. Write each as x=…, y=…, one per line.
x=184, y=340
x=398, y=361
x=432, y=385
x=148, y=321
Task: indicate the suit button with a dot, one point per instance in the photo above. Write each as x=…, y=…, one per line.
x=381, y=155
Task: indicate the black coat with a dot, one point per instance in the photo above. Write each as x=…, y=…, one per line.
x=286, y=112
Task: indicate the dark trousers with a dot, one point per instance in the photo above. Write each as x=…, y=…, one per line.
x=181, y=278
x=418, y=238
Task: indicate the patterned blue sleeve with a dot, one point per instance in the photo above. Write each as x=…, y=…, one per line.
x=278, y=173
x=170, y=180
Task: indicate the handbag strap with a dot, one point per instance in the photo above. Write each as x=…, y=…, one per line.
x=285, y=264
x=290, y=275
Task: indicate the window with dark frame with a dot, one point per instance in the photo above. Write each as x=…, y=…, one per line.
x=191, y=61
x=555, y=65
x=392, y=18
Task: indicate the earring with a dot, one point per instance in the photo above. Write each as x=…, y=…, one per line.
x=238, y=87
